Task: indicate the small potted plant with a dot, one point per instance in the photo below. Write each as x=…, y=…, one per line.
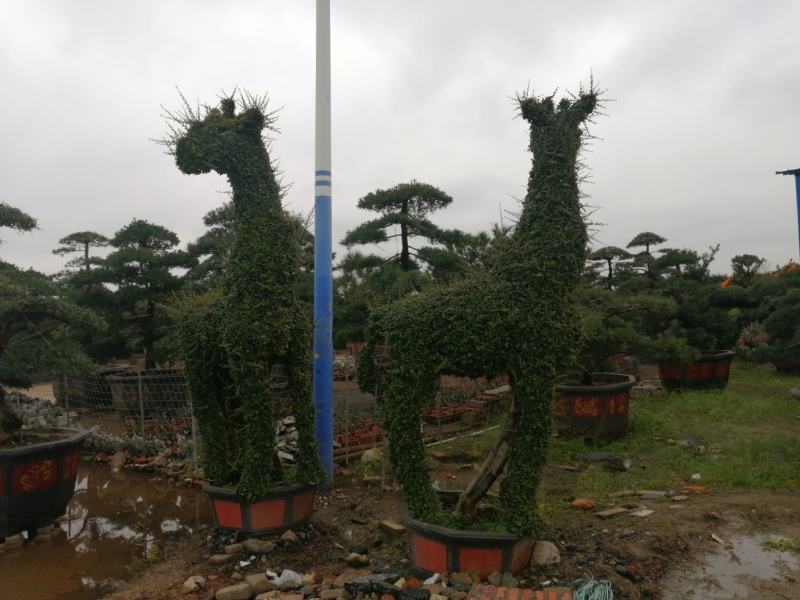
x=592, y=400
x=236, y=341
x=38, y=467
x=518, y=317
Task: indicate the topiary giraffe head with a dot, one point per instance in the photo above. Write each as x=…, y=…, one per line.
x=221, y=139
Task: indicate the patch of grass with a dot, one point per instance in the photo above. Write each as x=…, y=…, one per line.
x=781, y=545
x=749, y=430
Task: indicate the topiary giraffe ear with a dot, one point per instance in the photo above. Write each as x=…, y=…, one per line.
x=584, y=105
x=253, y=121
x=536, y=111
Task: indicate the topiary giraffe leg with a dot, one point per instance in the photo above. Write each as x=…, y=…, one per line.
x=299, y=373
x=527, y=452
x=402, y=401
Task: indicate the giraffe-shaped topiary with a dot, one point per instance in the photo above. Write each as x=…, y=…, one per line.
x=232, y=342
x=518, y=317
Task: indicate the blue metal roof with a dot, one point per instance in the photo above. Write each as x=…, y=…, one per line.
x=789, y=172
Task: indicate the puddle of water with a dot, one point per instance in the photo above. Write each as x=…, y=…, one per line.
x=745, y=569
x=113, y=522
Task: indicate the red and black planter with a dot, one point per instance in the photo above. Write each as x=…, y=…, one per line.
x=38, y=480
x=600, y=410
x=711, y=371
x=282, y=508
x=436, y=549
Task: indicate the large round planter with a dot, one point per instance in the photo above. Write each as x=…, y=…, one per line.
x=600, y=410
x=281, y=509
x=710, y=372
x=155, y=392
x=436, y=549
x=37, y=481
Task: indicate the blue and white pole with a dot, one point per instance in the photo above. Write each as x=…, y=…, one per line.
x=796, y=173
x=323, y=249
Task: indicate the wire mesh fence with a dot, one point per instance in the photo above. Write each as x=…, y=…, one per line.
x=155, y=406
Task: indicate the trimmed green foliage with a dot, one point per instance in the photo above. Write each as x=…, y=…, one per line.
x=518, y=317
x=259, y=323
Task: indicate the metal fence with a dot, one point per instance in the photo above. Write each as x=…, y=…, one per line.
x=155, y=405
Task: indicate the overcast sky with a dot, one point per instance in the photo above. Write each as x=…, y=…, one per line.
x=705, y=110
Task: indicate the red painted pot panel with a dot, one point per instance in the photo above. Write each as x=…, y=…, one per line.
x=70, y=470
x=430, y=555
x=670, y=372
x=699, y=370
x=481, y=560
x=722, y=368
x=33, y=476
x=267, y=514
x=229, y=514
x=302, y=505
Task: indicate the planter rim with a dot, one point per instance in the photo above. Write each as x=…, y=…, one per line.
x=78, y=435
x=620, y=382
x=704, y=356
x=135, y=375
x=455, y=534
x=276, y=492
x=716, y=354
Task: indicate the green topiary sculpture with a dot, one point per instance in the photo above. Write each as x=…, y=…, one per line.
x=232, y=342
x=518, y=317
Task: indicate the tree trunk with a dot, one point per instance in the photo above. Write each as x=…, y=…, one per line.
x=490, y=470
x=86, y=255
x=610, y=274
x=149, y=336
x=405, y=257
x=10, y=423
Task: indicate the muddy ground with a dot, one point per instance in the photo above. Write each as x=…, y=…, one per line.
x=658, y=556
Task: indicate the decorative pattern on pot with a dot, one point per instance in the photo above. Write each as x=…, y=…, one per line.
x=711, y=371
x=600, y=410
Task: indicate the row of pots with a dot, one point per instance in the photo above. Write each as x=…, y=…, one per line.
x=603, y=409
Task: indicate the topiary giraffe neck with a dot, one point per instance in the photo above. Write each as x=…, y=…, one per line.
x=252, y=180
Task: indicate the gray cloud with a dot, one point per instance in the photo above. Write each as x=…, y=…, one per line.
x=704, y=111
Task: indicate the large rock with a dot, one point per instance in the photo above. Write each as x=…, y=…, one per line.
x=371, y=456
x=259, y=583
x=256, y=546
x=545, y=553
x=194, y=583
x=240, y=591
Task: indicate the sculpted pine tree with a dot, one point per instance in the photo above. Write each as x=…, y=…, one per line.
x=232, y=342
x=517, y=317
x=80, y=243
x=404, y=211
x=142, y=267
x=609, y=254
x=14, y=218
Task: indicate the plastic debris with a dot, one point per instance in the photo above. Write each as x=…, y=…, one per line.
x=592, y=589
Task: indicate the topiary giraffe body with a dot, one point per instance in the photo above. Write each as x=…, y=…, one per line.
x=518, y=318
x=259, y=322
